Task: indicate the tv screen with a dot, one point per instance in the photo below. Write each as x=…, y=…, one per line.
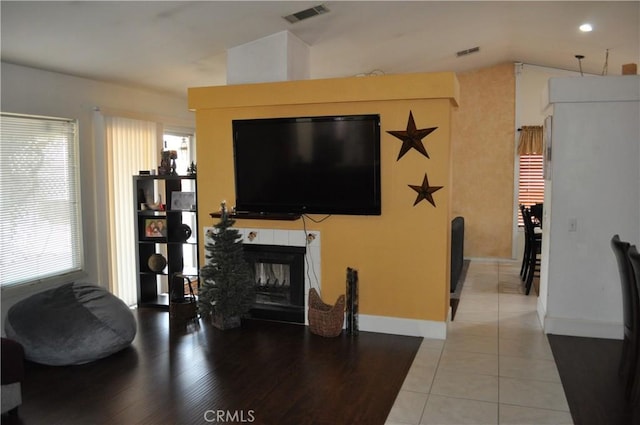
x=322, y=165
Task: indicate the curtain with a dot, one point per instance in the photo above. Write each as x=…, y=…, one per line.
x=131, y=146
x=530, y=140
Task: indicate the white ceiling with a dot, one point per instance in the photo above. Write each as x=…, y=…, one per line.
x=170, y=46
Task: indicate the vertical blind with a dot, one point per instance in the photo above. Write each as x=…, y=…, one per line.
x=40, y=218
x=131, y=147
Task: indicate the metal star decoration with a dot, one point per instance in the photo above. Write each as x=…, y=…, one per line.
x=425, y=191
x=412, y=137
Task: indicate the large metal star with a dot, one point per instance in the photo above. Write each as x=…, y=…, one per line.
x=425, y=191
x=412, y=137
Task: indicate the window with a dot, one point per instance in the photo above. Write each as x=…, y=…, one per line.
x=531, y=165
x=181, y=143
x=530, y=182
x=40, y=217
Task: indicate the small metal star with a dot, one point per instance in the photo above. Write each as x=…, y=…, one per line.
x=412, y=137
x=425, y=191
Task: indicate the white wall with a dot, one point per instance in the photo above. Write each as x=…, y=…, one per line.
x=531, y=86
x=277, y=57
x=531, y=109
x=595, y=180
x=31, y=91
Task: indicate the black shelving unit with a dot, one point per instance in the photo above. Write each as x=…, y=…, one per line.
x=166, y=222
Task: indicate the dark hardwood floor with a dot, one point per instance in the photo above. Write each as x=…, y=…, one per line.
x=588, y=369
x=263, y=373
x=275, y=373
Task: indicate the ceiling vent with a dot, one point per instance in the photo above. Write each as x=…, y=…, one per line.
x=468, y=51
x=306, y=14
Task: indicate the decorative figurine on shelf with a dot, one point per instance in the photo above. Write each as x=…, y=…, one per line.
x=191, y=171
x=168, y=163
x=165, y=163
x=173, y=155
x=223, y=210
x=153, y=205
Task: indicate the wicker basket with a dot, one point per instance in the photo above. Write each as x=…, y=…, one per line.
x=324, y=319
x=184, y=311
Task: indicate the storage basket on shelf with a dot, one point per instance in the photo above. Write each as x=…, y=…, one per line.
x=324, y=319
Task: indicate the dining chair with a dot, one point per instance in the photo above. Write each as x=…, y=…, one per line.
x=525, y=253
x=634, y=260
x=534, y=250
x=630, y=313
x=536, y=212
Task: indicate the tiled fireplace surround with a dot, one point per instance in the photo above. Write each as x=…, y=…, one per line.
x=278, y=237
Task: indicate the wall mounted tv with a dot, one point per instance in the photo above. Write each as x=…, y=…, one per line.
x=321, y=165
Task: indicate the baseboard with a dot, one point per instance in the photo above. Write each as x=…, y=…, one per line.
x=582, y=328
x=401, y=326
x=541, y=310
x=492, y=260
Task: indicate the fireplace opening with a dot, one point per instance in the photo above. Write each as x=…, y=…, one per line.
x=278, y=273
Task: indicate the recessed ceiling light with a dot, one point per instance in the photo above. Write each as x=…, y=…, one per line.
x=586, y=27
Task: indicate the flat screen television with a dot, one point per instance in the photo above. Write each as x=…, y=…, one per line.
x=320, y=165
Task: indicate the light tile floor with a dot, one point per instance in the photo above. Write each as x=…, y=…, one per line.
x=496, y=365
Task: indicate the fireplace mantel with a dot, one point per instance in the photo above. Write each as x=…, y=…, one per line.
x=258, y=216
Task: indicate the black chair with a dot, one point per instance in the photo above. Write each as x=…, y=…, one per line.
x=634, y=260
x=533, y=244
x=536, y=212
x=525, y=254
x=630, y=313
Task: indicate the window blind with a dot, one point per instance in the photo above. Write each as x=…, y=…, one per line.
x=131, y=146
x=40, y=217
x=530, y=182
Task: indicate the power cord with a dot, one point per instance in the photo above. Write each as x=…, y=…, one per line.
x=309, y=265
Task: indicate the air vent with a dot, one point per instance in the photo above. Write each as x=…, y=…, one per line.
x=468, y=51
x=306, y=14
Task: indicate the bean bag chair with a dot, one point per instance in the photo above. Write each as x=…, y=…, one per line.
x=72, y=324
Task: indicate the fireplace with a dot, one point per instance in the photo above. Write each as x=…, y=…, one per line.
x=300, y=251
x=278, y=273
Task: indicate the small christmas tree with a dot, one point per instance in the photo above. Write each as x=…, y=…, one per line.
x=227, y=291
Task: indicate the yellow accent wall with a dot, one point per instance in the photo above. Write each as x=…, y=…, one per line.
x=483, y=149
x=402, y=256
